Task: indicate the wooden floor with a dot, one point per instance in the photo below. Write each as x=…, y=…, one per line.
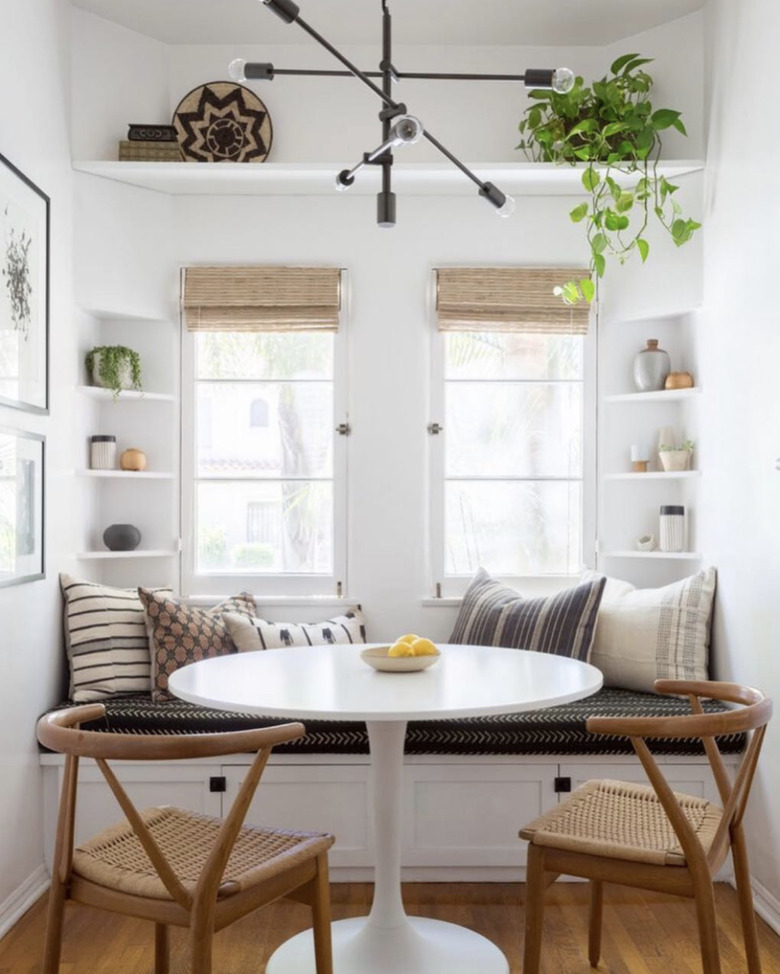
x=644, y=933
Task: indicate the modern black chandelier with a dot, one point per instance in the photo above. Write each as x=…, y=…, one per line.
x=399, y=128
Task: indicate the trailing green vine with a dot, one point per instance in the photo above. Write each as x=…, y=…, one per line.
x=612, y=127
x=111, y=359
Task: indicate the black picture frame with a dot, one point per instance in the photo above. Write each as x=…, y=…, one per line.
x=24, y=291
x=22, y=506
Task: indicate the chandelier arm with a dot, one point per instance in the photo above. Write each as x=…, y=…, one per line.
x=402, y=75
x=454, y=160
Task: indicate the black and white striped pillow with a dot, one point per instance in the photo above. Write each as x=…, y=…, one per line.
x=106, y=640
x=251, y=634
x=492, y=614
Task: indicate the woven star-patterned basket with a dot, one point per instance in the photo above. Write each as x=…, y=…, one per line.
x=223, y=122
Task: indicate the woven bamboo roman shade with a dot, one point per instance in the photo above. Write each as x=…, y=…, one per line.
x=259, y=298
x=517, y=299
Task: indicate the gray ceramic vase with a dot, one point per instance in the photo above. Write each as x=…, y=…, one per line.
x=121, y=537
x=651, y=367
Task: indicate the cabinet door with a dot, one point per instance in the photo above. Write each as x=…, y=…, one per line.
x=316, y=798
x=151, y=783
x=469, y=815
x=690, y=779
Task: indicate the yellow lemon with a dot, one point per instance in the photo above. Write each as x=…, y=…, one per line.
x=424, y=647
x=400, y=649
x=408, y=638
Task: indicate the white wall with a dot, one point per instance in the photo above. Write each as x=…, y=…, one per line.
x=738, y=351
x=34, y=136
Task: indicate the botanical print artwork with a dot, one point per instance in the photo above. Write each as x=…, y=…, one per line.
x=24, y=285
x=17, y=275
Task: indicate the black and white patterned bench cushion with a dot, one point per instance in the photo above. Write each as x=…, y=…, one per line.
x=553, y=730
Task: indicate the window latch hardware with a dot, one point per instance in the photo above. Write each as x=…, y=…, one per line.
x=434, y=429
x=343, y=429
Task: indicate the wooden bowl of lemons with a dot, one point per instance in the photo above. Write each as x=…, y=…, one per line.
x=408, y=654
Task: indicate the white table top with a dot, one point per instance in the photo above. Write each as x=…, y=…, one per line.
x=333, y=682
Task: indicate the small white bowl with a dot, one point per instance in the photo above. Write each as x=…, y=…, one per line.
x=378, y=658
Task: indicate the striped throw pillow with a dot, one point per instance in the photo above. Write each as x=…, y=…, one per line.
x=106, y=640
x=492, y=614
x=252, y=634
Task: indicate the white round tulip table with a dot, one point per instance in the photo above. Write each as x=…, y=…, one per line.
x=332, y=682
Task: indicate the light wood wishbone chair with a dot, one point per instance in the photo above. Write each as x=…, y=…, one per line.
x=652, y=837
x=172, y=866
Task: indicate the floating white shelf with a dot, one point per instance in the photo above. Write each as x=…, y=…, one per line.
x=126, y=474
x=655, y=475
x=670, y=555
x=138, y=553
x=109, y=315
x=665, y=395
x=318, y=179
x=96, y=392
x=660, y=314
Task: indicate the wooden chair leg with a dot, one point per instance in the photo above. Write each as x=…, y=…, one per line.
x=534, y=909
x=594, y=929
x=201, y=943
x=53, y=941
x=745, y=896
x=708, y=926
x=161, y=952
x=323, y=952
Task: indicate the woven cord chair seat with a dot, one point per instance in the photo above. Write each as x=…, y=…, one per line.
x=116, y=859
x=619, y=820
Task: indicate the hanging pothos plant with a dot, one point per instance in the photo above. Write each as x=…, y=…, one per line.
x=612, y=127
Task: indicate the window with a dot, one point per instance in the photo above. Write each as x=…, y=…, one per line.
x=512, y=481
x=264, y=490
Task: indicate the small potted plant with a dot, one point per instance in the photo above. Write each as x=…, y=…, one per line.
x=114, y=367
x=676, y=458
x=613, y=129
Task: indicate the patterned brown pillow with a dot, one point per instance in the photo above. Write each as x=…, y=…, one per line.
x=183, y=634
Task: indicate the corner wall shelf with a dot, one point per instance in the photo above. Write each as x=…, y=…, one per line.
x=318, y=179
x=655, y=475
x=109, y=315
x=138, y=553
x=97, y=392
x=669, y=555
x=126, y=474
x=665, y=395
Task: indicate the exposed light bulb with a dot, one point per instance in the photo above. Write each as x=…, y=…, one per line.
x=236, y=69
x=562, y=80
x=407, y=130
x=507, y=208
x=344, y=181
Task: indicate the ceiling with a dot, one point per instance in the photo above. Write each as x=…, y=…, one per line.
x=447, y=22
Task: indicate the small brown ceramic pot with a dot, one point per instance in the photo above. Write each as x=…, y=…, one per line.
x=133, y=459
x=679, y=380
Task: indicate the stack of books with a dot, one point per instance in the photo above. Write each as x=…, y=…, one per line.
x=150, y=143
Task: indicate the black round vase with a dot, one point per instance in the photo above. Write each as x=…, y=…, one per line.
x=121, y=537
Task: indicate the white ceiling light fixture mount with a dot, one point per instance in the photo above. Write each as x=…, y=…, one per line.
x=398, y=127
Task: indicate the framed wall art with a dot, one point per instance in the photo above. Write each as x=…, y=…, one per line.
x=24, y=292
x=22, y=550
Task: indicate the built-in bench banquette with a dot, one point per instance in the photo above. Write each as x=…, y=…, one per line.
x=469, y=783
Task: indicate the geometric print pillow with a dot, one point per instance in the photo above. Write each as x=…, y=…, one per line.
x=492, y=614
x=253, y=634
x=643, y=635
x=183, y=634
x=106, y=640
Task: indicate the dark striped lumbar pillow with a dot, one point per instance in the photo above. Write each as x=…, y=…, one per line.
x=492, y=614
x=106, y=640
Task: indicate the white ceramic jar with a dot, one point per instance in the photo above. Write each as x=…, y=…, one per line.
x=102, y=452
x=672, y=528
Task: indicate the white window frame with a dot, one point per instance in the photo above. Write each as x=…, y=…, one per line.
x=453, y=586
x=200, y=584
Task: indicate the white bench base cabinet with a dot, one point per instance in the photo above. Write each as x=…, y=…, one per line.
x=461, y=815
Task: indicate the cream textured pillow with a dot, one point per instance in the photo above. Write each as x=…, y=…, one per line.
x=252, y=634
x=643, y=635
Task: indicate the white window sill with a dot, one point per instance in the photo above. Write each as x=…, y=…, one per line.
x=293, y=601
x=447, y=602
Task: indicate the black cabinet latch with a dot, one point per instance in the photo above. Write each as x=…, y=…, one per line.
x=217, y=783
x=562, y=785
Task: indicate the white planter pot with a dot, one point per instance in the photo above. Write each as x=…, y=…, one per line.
x=675, y=460
x=125, y=373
